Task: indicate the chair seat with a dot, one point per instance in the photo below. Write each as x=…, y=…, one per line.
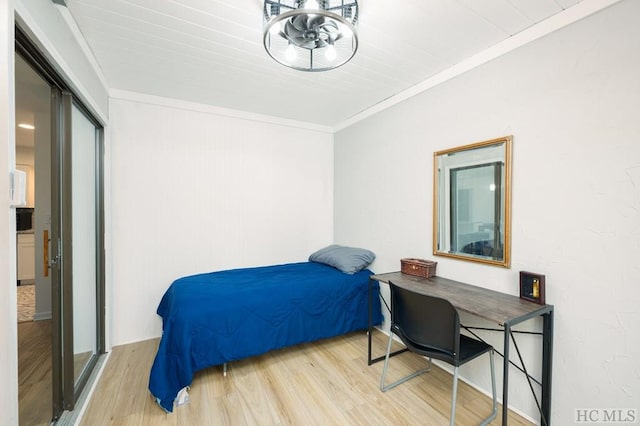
x=471, y=348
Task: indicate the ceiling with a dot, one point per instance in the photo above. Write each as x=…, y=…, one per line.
x=211, y=52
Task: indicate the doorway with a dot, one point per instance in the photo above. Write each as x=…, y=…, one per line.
x=59, y=144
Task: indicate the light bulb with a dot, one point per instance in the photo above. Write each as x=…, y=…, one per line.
x=330, y=54
x=275, y=29
x=311, y=4
x=290, y=53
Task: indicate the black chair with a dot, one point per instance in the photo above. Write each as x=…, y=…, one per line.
x=430, y=326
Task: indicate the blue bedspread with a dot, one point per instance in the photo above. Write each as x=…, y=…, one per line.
x=213, y=318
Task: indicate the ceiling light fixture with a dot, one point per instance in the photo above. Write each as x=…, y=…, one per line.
x=26, y=126
x=311, y=35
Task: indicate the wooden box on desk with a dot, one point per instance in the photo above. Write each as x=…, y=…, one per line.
x=418, y=267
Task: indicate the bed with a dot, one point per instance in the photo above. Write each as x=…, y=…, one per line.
x=214, y=318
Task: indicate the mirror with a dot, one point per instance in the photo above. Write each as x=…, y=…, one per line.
x=472, y=202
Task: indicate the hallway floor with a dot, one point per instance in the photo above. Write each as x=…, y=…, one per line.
x=34, y=372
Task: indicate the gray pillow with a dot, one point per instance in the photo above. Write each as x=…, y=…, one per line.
x=347, y=259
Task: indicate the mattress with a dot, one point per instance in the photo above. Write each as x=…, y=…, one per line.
x=213, y=318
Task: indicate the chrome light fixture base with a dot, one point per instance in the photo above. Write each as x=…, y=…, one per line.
x=311, y=35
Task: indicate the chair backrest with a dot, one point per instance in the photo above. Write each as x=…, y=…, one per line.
x=426, y=321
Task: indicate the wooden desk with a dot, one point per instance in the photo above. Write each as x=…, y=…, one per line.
x=500, y=308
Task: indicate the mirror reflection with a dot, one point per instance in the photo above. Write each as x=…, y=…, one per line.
x=472, y=202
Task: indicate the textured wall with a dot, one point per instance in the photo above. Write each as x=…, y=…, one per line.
x=194, y=191
x=571, y=101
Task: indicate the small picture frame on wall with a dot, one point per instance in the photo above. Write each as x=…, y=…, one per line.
x=532, y=287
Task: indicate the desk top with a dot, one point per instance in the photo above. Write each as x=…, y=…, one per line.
x=491, y=305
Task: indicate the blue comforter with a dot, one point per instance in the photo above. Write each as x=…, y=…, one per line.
x=213, y=318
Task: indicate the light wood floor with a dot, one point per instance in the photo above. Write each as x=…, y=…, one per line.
x=34, y=373
x=321, y=383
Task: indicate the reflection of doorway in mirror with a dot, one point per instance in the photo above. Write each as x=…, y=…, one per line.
x=471, y=192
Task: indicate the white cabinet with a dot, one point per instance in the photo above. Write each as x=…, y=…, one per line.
x=31, y=194
x=26, y=257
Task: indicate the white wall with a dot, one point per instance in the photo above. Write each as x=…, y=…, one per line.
x=194, y=191
x=571, y=100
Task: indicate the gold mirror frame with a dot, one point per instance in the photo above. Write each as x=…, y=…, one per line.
x=457, y=176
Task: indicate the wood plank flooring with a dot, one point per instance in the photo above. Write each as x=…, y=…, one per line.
x=322, y=383
x=34, y=373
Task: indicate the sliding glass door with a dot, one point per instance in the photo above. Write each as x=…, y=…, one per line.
x=81, y=259
x=74, y=254
x=86, y=242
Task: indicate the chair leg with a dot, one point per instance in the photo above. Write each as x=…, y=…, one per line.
x=386, y=363
x=384, y=388
x=494, y=412
x=454, y=397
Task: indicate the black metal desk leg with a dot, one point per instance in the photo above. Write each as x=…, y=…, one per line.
x=547, y=359
x=505, y=375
